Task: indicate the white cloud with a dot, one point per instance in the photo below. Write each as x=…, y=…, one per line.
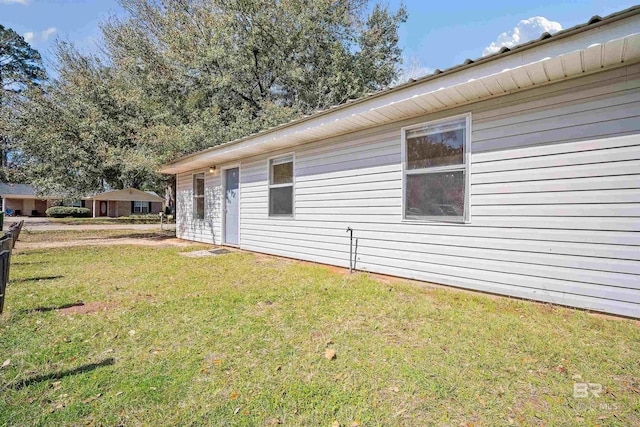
x=44, y=35
x=23, y=2
x=526, y=30
x=48, y=33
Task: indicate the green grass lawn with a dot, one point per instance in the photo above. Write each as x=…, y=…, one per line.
x=240, y=339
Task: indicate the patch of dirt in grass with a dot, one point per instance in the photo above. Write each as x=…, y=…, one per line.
x=86, y=308
x=206, y=253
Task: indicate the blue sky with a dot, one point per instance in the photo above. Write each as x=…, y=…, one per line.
x=437, y=35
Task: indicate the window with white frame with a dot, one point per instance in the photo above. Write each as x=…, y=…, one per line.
x=281, y=186
x=141, y=207
x=198, y=196
x=436, y=170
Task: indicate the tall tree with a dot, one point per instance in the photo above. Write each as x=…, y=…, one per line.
x=178, y=76
x=20, y=68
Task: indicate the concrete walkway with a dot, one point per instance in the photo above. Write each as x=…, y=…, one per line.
x=44, y=224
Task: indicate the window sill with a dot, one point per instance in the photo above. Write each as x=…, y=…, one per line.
x=435, y=222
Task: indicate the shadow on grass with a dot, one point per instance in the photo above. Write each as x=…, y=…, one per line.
x=51, y=308
x=34, y=279
x=58, y=375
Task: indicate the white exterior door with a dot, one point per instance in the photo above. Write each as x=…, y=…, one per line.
x=232, y=206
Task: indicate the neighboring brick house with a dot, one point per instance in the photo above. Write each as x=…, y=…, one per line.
x=129, y=201
x=21, y=199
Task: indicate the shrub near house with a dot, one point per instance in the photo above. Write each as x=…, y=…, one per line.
x=68, y=211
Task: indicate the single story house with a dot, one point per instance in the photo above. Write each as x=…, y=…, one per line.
x=515, y=174
x=129, y=201
x=21, y=199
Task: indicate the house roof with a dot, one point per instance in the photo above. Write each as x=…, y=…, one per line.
x=600, y=43
x=22, y=190
x=127, y=194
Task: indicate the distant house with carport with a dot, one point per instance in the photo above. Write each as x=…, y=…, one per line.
x=22, y=199
x=129, y=201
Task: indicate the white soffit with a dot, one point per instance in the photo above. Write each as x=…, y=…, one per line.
x=591, y=51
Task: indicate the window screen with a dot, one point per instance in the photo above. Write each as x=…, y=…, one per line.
x=281, y=186
x=198, y=196
x=436, y=171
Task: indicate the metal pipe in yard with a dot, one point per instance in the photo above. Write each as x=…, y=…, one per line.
x=350, y=230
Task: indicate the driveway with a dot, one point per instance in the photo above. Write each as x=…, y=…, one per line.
x=44, y=224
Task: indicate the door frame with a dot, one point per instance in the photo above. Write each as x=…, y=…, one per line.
x=100, y=202
x=223, y=178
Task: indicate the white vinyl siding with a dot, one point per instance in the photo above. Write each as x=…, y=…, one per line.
x=209, y=229
x=554, y=190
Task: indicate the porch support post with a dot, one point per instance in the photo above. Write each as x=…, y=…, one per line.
x=4, y=204
x=94, y=208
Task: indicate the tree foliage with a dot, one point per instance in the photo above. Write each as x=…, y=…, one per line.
x=20, y=68
x=177, y=76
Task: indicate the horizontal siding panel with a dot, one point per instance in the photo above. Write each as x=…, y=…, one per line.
x=565, y=159
x=569, y=147
x=349, y=175
x=357, y=148
x=588, y=130
x=345, y=190
x=392, y=159
x=604, y=110
x=368, y=202
x=532, y=222
x=570, y=210
x=559, y=197
x=377, y=210
x=563, y=185
x=464, y=230
x=601, y=97
x=372, y=193
x=564, y=92
x=576, y=268
x=453, y=244
x=565, y=223
x=561, y=172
